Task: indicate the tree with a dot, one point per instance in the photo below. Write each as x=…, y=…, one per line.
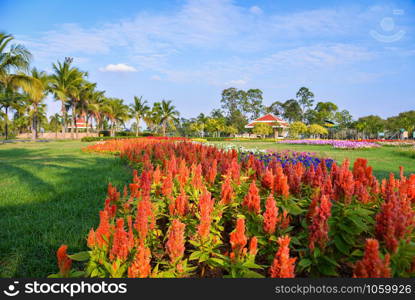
x=322, y=112
x=139, y=110
x=370, y=124
x=55, y=122
x=253, y=103
x=317, y=130
x=292, y=110
x=37, y=88
x=262, y=129
x=275, y=108
x=305, y=99
x=116, y=112
x=165, y=114
x=297, y=128
x=343, y=118
x=13, y=57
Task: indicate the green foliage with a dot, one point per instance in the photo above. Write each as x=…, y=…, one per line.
x=297, y=128
x=262, y=129
x=316, y=130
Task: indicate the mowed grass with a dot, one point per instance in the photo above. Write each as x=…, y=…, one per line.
x=50, y=194
x=384, y=160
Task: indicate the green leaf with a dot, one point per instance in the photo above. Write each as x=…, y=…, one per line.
x=327, y=270
x=54, y=276
x=330, y=260
x=358, y=222
x=78, y=274
x=252, y=274
x=217, y=261
x=341, y=245
x=195, y=255
x=252, y=265
x=304, y=263
x=204, y=257
x=80, y=256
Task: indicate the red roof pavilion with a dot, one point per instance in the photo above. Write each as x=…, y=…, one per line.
x=271, y=119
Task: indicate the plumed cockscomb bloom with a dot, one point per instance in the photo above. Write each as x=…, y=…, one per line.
x=238, y=238
x=64, y=262
x=120, y=243
x=206, y=204
x=281, y=186
x=227, y=193
x=197, y=181
x=157, y=175
x=319, y=228
x=140, y=267
x=183, y=174
x=253, y=246
x=180, y=205
x=371, y=265
x=252, y=201
x=175, y=242
x=268, y=180
x=103, y=232
x=212, y=171
x=283, y=265
x=144, y=219
x=235, y=170
x=91, y=241
x=167, y=187
x=271, y=218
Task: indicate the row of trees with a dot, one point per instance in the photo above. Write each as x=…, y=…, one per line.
x=23, y=91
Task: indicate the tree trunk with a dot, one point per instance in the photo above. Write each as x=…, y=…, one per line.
x=63, y=110
x=136, y=127
x=164, y=129
x=6, y=124
x=34, y=123
x=74, y=114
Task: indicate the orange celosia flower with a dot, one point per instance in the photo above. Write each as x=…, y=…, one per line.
x=283, y=265
x=143, y=218
x=281, y=184
x=64, y=262
x=157, y=175
x=183, y=173
x=175, y=243
x=197, y=176
x=140, y=267
x=91, y=238
x=179, y=206
x=371, y=266
x=252, y=200
x=212, y=171
x=120, y=243
x=103, y=231
x=268, y=179
x=206, y=203
x=227, y=193
x=253, y=246
x=238, y=238
x=270, y=215
x=167, y=187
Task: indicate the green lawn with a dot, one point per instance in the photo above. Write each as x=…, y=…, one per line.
x=50, y=193
x=383, y=160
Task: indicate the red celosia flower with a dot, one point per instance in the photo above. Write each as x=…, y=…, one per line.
x=235, y=170
x=103, y=231
x=175, y=243
x=179, y=206
x=143, y=218
x=120, y=247
x=270, y=215
x=396, y=219
x=371, y=266
x=91, y=238
x=157, y=175
x=197, y=176
x=319, y=228
x=167, y=187
x=227, y=193
x=252, y=200
x=268, y=180
x=238, y=238
x=283, y=265
x=140, y=267
x=206, y=203
x=64, y=262
x=212, y=171
x=281, y=183
x=183, y=173
x=253, y=246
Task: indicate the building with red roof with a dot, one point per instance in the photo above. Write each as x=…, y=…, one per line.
x=280, y=126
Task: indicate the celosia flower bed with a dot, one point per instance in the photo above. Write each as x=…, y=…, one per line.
x=342, y=144
x=193, y=210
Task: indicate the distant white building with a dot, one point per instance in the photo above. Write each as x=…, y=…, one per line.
x=279, y=125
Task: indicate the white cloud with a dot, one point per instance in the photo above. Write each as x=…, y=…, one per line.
x=237, y=82
x=155, y=77
x=118, y=68
x=255, y=10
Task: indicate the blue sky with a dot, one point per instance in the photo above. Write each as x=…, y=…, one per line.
x=358, y=54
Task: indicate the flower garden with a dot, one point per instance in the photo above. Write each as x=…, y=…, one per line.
x=194, y=210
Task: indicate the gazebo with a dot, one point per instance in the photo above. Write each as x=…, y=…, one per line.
x=279, y=125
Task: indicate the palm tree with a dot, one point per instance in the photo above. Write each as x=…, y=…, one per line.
x=165, y=114
x=94, y=107
x=66, y=84
x=12, y=58
x=139, y=111
x=37, y=88
x=55, y=123
x=117, y=112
